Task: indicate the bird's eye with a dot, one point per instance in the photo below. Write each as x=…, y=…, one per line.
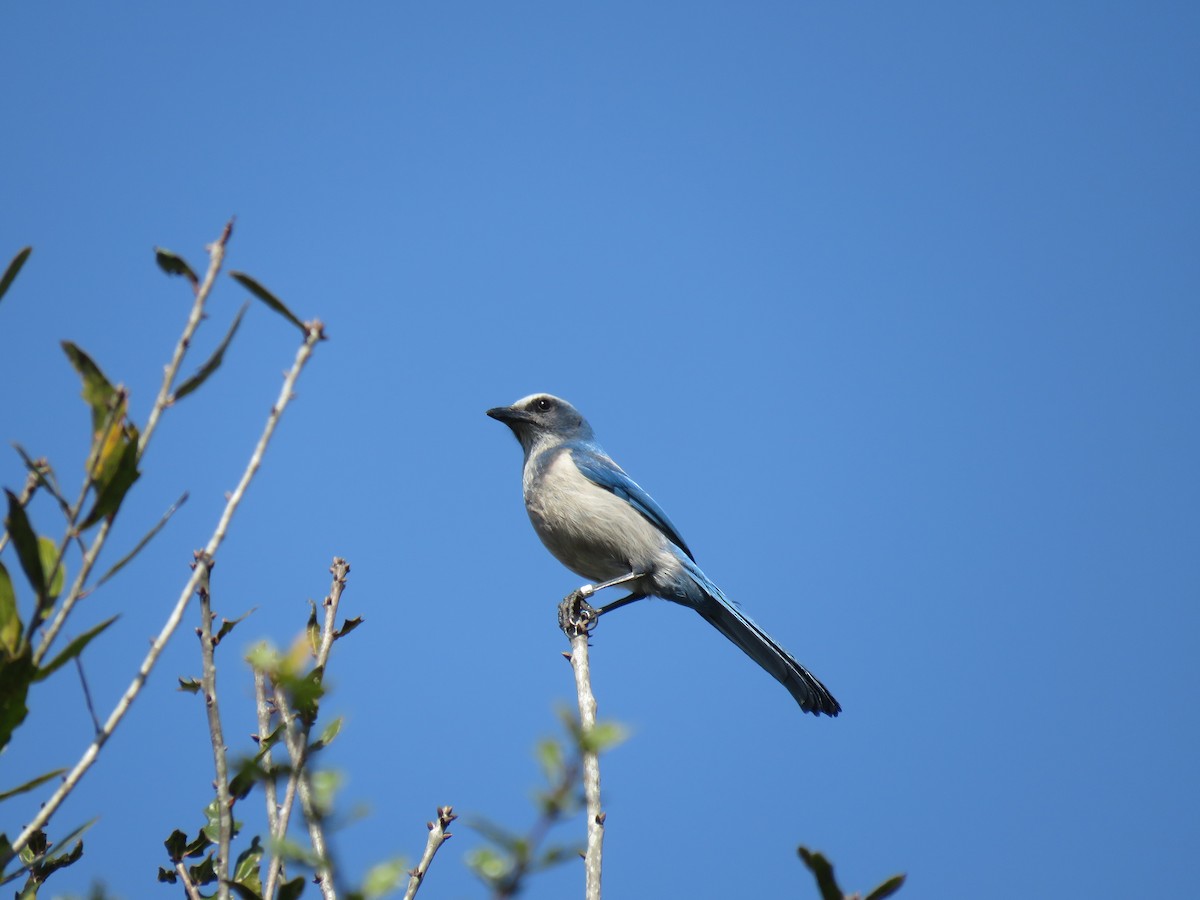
x=543, y=404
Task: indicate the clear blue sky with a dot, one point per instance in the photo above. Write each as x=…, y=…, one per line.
x=894, y=307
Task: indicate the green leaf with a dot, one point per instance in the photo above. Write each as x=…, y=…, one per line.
x=203, y=873
x=822, y=870
x=549, y=755
x=72, y=650
x=489, y=865
x=497, y=834
x=603, y=736
x=16, y=674
x=124, y=560
x=113, y=491
x=886, y=889
x=331, y=731
x=174, y=264
x=313, y=629
x=212, y=830
x=227, y=625
x=191, y=685
x=13, y=268
x=166, y=876
x=289, y=850
x=51, y=864
x=348, y=626
x=246, y=869
x=291, y=890
x=268, y=298
x=325, y=785
x=384, y=878
x=55, y=573
x=30, y=785
x=98, y=391
x=242, y=783
x=10, y=617
x=198, y=846
x=305, y=693
x=558, y=853
x=213, y=362
x=26, y=542
x=244, y=892
x=175, y=843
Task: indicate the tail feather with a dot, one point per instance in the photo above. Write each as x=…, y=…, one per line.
x=728, y=619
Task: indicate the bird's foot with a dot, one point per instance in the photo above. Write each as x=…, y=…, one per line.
x=575, y=615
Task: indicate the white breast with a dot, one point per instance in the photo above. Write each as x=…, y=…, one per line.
x=590, y=530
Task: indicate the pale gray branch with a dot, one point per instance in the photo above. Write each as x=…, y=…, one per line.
x=576, y=618
x=216, y=734
x=438, y=835
x=296, y=736
x=188, y=886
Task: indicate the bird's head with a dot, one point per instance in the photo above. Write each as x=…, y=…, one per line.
x=543, y=419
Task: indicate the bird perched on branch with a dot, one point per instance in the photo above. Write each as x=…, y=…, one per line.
x=601, y=525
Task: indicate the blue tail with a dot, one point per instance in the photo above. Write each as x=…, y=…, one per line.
x=728, y=619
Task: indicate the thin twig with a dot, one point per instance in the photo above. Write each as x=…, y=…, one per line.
x=216, y=255
x=296, y=740
x=438, y=835
x=315, y=334
x=339, y=569
x=188, y=886
x=576, y=619
x=216, y=734
x=87, y=694
x=263, y=707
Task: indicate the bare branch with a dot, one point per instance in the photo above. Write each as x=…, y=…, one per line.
x=263, y=707
x=216, y=734
x=296, y=735
x=296, y=739
x=339, y=569
x=190, y=888
x=576, y=618
x=216, y=256
x=438, y=835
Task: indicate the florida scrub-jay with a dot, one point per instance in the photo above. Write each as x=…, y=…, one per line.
x=601, y=525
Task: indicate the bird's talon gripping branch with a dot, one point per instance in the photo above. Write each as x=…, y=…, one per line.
x=575, y=615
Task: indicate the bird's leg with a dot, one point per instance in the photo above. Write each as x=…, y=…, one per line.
x=617, y=604
x=588, y=589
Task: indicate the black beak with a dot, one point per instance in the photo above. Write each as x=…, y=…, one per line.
x=509, y=415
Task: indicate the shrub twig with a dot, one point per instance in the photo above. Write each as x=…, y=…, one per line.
x=576, y=619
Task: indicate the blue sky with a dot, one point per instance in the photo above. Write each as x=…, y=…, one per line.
x=894, y=307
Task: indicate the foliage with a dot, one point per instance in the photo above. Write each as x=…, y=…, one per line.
x=822, y=870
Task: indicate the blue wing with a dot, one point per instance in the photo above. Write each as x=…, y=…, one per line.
x=603, y=472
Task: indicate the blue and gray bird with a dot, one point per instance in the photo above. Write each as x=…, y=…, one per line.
x=601, y=525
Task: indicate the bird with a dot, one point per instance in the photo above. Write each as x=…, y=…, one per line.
x=604, y=527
